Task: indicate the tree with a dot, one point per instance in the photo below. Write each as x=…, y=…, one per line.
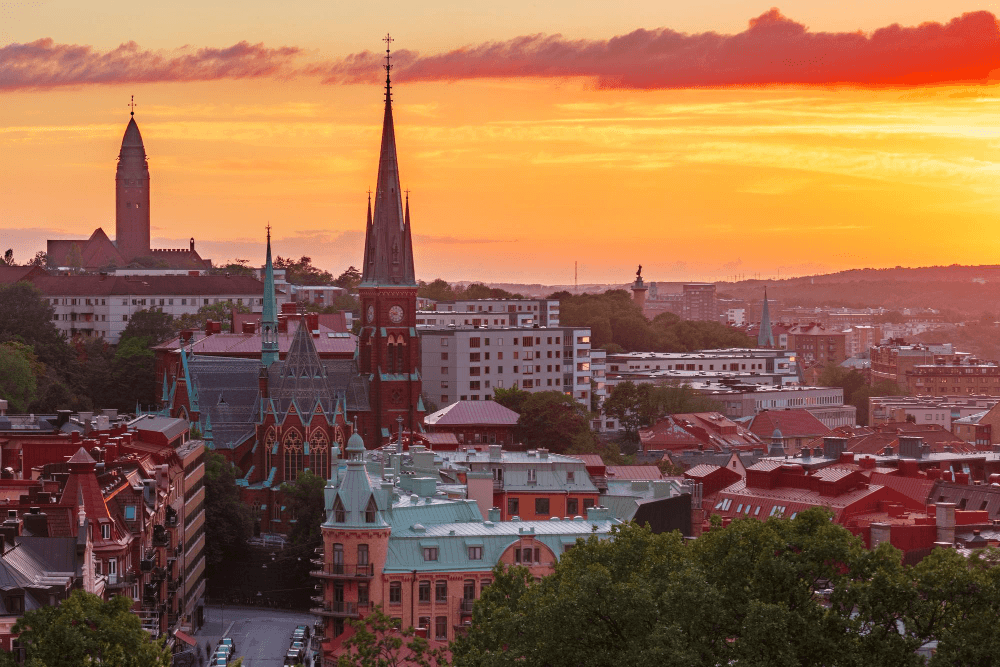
x=302, y=272
x=227, y=519
x=512, y=398
x=74, y=257
x=377, y=642
x=237, y=267
x=154, y=325
x=17, y=380
x=86, y=630
x=778, y=592
x=8, y=257
x=221, y=312
x=134, y=374
x=553, y=420
x=304, y=498
x=41, y=259
x=628, y=403
x=437, y=290
x=349, y=279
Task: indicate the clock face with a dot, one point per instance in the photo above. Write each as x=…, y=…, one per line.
x=371, y=313
x=396, y=314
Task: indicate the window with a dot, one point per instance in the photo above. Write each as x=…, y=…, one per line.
x=572, y=506
x=444, y=356
x=531, y=475
x=512, y=507
x=362, y=554
x=541, y=505
x=424, y=591
x=570, y=477
x=474, y=342
x=469, y=589
x=587, y=503
x=475, y=553
x=362, y=594
x=425, y=622
x=441, y=591
x=370, y=511
x=106, y=531
x=338, y=558
x=441, y=627
x=474, y=357
x=130, y=512
x=430, y=553
x=395, y=593
x=339, y=514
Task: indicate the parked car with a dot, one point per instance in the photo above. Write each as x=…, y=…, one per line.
x=298, y=647
x=292, y=657
x=304, y=629
x=229, y=644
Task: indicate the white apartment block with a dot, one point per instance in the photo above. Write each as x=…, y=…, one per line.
x=941, y=410
x=491, y=313
x=751, y=365
x=101, y=306
x=466, y=362
x=742, y=400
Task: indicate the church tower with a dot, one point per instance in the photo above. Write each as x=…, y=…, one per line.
x=269, y=314
x=132, y=196
x=389, y=348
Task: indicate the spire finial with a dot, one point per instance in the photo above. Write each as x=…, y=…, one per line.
x=388, y=67
x=132, y=104
x=268, y=232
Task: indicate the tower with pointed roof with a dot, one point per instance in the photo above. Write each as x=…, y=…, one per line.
x=389, y=348
x=132, y=196
x=765, y=337
x=269, y=314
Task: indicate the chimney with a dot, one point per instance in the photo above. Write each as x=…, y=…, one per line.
x=192, y=244
x=36, y=522
x=879, y=533
x=494, y=514
x=945, y=514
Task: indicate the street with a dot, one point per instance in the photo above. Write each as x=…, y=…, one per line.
x=261, y=635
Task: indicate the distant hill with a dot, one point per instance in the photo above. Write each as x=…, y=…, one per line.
x=959, y=291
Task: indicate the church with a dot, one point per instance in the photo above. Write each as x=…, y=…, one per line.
x=131, y=245
x=275, y=417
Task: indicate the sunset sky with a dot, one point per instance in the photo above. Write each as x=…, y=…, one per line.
x=702, y=140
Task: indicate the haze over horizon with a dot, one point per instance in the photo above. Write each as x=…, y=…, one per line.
x=702, y=142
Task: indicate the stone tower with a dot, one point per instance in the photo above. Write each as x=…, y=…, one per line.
x=389, y=348
x=132, y=196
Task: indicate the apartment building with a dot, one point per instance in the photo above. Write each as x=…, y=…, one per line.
x=943, y=410
x=966, y=376
x=815, y=343
x=466, y=362
x=749, y=365
x=491, y=313
x=893, y=359
x=102, y=305
x=861, y=338
x=746, y=400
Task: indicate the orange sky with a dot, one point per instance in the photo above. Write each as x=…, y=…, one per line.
x=512, y=179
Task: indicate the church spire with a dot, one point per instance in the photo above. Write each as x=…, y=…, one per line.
x=268, y=315
x=388, y=249
x=765, y=337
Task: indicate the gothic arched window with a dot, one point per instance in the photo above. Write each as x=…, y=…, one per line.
x=268, y=446
x=319, y=454
x=293, y=455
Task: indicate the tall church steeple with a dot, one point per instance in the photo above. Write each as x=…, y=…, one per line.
x=388, y=249
x=389, y=345
x=268, y=315
x=132, y=195
x=765, y=337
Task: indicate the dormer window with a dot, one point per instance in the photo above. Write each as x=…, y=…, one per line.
x=106, y=531
x=339, y=514
x=370, y=511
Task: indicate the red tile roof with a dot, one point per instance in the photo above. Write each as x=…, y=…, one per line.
x=917, y=488
x=469, y=413
x=792, y=424
x=635, y=473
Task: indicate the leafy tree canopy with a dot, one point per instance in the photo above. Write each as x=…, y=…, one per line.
x=17, y=379
x=302, y=272
x=377, y=642
x=86, y=630
x=636, y=406
x=349, y=279
x=221, y=312
x=227, y=518
x=154, y=325
x=553, y=420
x=800, y=592
x=304, y=498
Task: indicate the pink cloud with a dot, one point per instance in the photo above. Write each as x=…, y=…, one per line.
x=772, y=50
x=45, y=64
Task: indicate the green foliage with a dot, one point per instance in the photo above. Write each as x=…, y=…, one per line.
x=8, y=257
x=154, y=325
x=617, y=324
x=801, y=592
x=85, y=630
x=349, y=279
x=636, y=406
x=227, y=519
x=512, y=398
x=553, y=420
x=302, y=272
x=377, y=642
x=41, y=259
x=304, y=498
x=237, y=267
x=134, y=374
x=221, y=312
x=17, y=380
x=74, y=257
x=440, y=290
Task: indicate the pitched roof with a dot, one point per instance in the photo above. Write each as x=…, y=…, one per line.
x=479, y=413
x=636, y=473
x=796, y=423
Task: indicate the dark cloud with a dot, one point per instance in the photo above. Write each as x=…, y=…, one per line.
x=772, y=50
x=45, y=64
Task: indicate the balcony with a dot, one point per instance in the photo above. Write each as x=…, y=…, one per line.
x=498, y=485
x=340, y=571
x=117, y=583
x=159, y=574
x=160, y=536
x=342, y=609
